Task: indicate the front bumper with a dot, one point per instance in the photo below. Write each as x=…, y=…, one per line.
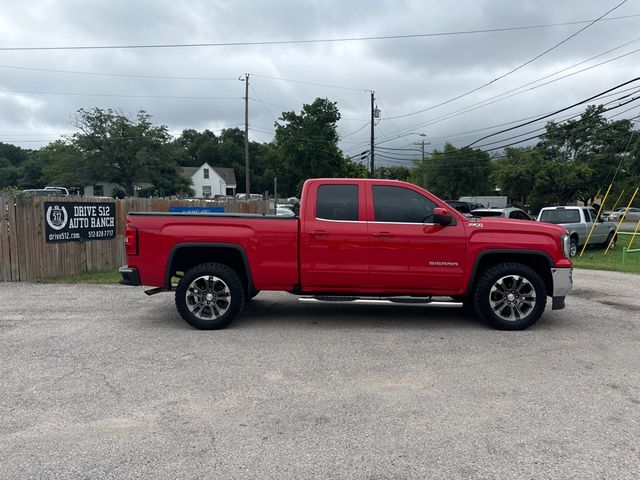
x=562, y=284
x=130, y=276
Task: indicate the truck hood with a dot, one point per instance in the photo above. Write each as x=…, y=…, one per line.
x=517, y=226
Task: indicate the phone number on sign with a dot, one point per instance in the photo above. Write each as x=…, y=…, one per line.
x=100, y=233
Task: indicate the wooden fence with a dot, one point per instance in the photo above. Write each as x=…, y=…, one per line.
x=25, y=255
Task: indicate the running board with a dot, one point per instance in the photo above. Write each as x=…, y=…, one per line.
x=421, y=302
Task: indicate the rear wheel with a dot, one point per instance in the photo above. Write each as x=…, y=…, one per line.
x=611, y=241
x=510, y=296
x=210, y=296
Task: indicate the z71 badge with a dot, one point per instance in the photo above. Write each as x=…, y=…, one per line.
x=476, y=225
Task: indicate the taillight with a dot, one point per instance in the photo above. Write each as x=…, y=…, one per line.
x=131, y=240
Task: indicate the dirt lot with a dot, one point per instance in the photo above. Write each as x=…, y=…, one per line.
x=104, y=382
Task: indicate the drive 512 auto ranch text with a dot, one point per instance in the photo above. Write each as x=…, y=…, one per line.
x=73, y=221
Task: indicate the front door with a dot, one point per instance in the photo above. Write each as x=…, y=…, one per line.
x=408, y=252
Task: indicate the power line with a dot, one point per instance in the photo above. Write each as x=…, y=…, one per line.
x=321, y=40
x=505, y=95
x=77, y=94
x=557, y=111
x=304, y=82
x=513, y=70
x=107, y=74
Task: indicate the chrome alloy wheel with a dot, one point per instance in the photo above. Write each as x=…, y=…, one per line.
x=208, y=297
x=512, y=298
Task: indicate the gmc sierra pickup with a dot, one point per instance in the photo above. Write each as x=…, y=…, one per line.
x=355, y=240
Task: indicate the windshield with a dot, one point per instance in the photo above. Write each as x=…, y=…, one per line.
x=560, y=216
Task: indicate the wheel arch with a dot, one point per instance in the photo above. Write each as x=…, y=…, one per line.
x=540, y=262
x=184, y=256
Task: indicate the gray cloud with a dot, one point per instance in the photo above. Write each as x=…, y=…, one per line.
x=407, y=75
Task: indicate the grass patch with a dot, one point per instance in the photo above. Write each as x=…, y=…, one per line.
x=593, y=259
x=93, y=277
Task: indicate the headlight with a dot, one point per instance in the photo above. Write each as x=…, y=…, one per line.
x=566, y=244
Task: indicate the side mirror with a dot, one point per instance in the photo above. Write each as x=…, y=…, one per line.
x=441, y=216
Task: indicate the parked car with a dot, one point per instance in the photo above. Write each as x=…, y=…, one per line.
x=287, y=212
x=368, y=241
x=633, y=214
x=511, y=212
x=464, y=207
x=43, y=192
x=579, y=221
x=62, y=190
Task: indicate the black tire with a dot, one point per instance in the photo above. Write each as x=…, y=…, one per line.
x=573, y=247
x=609, y=241
x=524, y=309
x=220, y=298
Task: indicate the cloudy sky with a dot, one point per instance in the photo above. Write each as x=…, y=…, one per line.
x=407, y=75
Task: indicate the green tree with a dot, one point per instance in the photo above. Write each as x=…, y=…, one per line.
x=127, y=151
x=454, y=172
x=63, y=165
x=308, y=145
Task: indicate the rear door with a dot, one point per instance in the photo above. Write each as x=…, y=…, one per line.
x=333, y=238
x=601, y=230
x=408, y=252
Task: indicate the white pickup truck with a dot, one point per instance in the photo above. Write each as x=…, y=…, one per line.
x=578, y=221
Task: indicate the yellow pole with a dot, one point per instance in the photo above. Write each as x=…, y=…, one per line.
x=635, y=232
x=617, y=201
x=595, y=220
x=624, y=214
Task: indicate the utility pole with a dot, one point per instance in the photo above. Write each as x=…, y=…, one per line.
x=371, y=151
x=246, y=133
x=424, y=162
x=424, y=168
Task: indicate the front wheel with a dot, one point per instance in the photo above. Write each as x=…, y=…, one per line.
x=573, y=247
x=210, y=296
x=510, y=296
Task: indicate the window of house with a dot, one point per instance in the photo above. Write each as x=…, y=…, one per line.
x=206, y=174
x=206, y=190
x=399, y=204
x=337, y=202
x=98, y=190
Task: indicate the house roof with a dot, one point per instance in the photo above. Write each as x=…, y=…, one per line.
x=227, y=174
x=189, y=171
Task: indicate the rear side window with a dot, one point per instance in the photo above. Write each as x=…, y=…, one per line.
x=337, y=202
x=560, y=216
x=401, y=205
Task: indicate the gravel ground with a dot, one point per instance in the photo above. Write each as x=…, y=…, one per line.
x=104, y=382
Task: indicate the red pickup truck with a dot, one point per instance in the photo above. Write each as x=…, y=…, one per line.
x=355, y=240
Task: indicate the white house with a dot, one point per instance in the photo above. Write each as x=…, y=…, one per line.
x=208, y=181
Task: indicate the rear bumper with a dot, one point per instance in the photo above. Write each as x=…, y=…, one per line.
x=562, y=284
x=130, y=276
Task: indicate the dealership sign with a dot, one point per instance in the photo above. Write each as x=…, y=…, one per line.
x=73, y=221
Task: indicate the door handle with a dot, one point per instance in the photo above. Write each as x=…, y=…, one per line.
x=383, y=235
x=320, y=233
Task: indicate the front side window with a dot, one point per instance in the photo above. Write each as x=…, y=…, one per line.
x=337, y=202
x=401, y=205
